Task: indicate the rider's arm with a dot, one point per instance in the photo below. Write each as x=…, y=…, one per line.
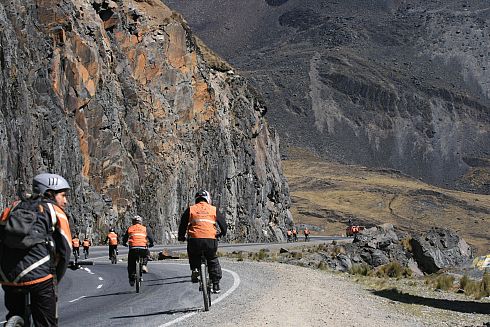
x=149, y=235
x=220, y=219
x=62, y=240
x=184, y=221
x=125, y=238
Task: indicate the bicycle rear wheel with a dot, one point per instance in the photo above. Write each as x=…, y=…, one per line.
x=138, y=276
x=204, y=287
x=15, y=321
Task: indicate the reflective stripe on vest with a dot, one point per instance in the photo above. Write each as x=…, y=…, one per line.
x=202, y=221
x=112, y=238
x=137, y=235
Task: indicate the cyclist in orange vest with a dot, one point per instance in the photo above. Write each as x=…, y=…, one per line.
x=139, y=238
x=290, y=235
x=295, y=234
x=113, y=241
x=86, y=246
x=75, y=242
x=306, y=232
x=199, y=221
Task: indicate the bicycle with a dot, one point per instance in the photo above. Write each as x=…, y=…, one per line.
x=85, y=252
x=25, y=320
x=205, y=283
x=139, y=273
x=114, y=257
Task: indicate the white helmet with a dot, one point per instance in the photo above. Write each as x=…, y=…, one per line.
x=203, y=194
x=45, y=182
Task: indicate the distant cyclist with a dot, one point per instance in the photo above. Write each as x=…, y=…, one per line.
x=113, y=241
x=139, y=238
x=86, y=246
x=75, y=242
x=199, y=221
x=34, y=269
x=306, y=233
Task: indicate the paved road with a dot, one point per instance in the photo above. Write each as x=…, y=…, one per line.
x=100, y=295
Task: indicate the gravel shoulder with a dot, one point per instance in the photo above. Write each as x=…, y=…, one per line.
x=274, y=294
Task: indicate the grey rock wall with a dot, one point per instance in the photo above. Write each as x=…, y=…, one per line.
x=121, y=99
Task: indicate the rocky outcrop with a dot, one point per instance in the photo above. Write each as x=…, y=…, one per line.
x=377, y=246
x=440, y=248
x=121, y=99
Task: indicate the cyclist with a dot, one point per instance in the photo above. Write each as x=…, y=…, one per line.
x=34, y=269
x=139, y=238
x=75, y=243
x=295, y=235
x=113, y=241
x=86, y=246
x=199, y=221
x=290, y=235
x=306, y=232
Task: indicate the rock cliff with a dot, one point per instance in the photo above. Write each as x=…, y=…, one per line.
x=392, y=83
x=121, y=99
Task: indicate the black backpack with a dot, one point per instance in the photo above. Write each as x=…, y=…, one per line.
x=29, y=222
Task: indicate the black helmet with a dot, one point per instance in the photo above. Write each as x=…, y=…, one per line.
x=203, y=194
x=137, y=219
x=46, y=182
x=112, y=230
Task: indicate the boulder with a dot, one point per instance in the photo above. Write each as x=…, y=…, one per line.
x=440, y=248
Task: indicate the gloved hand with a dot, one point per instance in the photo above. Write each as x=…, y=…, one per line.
x=151, y=245
x=181, y=238
x=125, y=244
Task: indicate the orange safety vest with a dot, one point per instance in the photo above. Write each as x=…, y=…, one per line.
x=86, y=243
x=202, y=221
x=137, y=235
x=112, y=238
x=294, y=232
x=75, y=243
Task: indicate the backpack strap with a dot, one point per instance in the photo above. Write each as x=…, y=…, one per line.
x=52, y=214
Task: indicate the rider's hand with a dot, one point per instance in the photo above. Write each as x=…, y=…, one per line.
x=125, y=245
x=151, y=245
x=181, y=239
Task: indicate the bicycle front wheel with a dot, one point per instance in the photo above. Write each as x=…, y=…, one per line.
x=15, y=321
x=138, y=276
x=204, y=287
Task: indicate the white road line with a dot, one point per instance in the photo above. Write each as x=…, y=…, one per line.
x=236, y=283
x=78, y=298
x=100, y=278
x=99, y=286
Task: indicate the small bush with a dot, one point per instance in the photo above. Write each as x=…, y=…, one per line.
x=444, y=282
x=322, y=265
x=393, y=270
x=407, y=246
x=360, y=269
x=262, y=254
x=297, y=255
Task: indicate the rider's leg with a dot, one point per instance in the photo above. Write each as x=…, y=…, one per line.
x=132, y=264
x=43, y=303
x=194, y=255
x=214, y=267
x=14, y=301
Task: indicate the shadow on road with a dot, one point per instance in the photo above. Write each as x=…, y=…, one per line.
x=109, y=294
x=168, y=312
x=168, y=278
x=453, y=305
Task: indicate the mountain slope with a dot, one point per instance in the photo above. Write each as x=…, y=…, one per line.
x=398, y=84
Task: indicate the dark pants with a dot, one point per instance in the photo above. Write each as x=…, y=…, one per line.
x=85, y=249
x=132, y=256
x=43, y=302
x=77, y=251
x=209, y=247
x=112, y=249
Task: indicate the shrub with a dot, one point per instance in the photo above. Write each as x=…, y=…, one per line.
x=393, y=270
x=360, y=269
x=444, y=282
x=407, y=245
x=262, y=254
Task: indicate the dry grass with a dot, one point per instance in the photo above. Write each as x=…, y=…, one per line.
x=328, y=194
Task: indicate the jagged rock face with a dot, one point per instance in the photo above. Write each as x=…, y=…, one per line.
x=400, y=84
x=118, y=97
